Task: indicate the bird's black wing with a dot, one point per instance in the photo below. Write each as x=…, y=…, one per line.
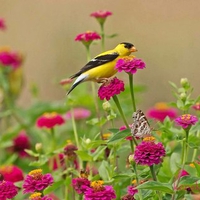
x=95, y=62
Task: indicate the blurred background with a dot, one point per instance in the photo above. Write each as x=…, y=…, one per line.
x=166, y=34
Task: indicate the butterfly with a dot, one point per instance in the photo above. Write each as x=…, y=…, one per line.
x=140, y=127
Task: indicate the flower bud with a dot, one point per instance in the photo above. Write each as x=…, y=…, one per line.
x=106, y=106
x=38, y=147
x=184, y=82
x=87, y=141
x=131, y=159
x=183, y=96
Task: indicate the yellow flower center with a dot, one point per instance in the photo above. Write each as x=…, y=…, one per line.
x=84, y=174
x=5, y=49
x=134, y=182
x=35, y=196
x=50, y=115
x=186, y=117
x=36, y=174
x=97, y=185
x=106, y=136
x=149, y=139
x=161, y=106
x=6, y=169
x=192, y=165
x=128, y=58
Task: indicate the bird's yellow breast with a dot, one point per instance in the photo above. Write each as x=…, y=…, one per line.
x=104, y=71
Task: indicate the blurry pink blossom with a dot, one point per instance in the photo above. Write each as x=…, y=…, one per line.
x=79, y=113
x=2, y=24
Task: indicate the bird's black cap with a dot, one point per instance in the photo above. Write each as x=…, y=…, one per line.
x=127, y=45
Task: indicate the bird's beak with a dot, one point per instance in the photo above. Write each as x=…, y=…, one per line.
x=133, y=49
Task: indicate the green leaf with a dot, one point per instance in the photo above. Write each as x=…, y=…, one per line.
x=32, y=153
x=99, y=151
x=105, y=171
x=84, y=155
x=96, y=121
x=197, y=166
x=55, y=186
x=173, y=85
x=174, y=161
x=187, y=181
x=120, y=135
x=153, y=185
x=112, y=36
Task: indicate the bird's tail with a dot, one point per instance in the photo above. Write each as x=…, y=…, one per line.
x=79, y=80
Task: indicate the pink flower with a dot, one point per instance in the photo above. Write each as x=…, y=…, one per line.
x=11, y=173
x=88, y=36
x=122, y=128
x=115, y=87
x=196, y=106
x=36, y=181
x=101, y=14
x=129, y=64
x=38, y=196
x=79, y=113
x=7, y=190
x=97, y=191
x=186, y=120
x=127, y=197
x=2, y=24
x=131, y=190
x=49, y=120
x=161, y=111
x=80, y=185
x=10, y=58
x=20, y=143
x=183, y=173
x=149, y=153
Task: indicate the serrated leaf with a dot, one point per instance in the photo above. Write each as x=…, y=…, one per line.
x=153, y=185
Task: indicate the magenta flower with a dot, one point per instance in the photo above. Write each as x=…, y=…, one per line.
x=79, y=113
x=49, y=120
x=11, y=173
x=131, y=190
x=20, y=143
x=196, y=106
x=36, y=181
x=2, y=24
x=183, y=173
x=80, y=185
x=186, y=120
x=127, y=197
x=7, y=190
x=38, y=196
x=149, y=153
x=101, y=15
x=97, y=191
x=115, y=87
x=129, y=64
x=88, y=36
x=10, y=58
x=161, y=111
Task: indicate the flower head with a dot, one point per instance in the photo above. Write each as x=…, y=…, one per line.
x=87, y=37
x=20, y=143
x=129, y=64
x=49, y=120
x=11, y=173
x=131, y=190
x=149, y=153
x=36, y=181
x=186, y=120
x=115, y=87
x=196, y=106
x=101, y=15
x=98, y=191
x=38, y=196
x=160, y=111
x=79, y=113
x=7, y=190
x=80, y=185
x=2, y=24
x=10, y=58
x=69, y=151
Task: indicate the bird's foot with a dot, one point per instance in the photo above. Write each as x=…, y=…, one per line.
x=104, y=81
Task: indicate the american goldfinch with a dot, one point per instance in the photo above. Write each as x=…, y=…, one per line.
x=102, y=67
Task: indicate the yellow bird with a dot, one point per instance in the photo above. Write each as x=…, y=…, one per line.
x=102, y=67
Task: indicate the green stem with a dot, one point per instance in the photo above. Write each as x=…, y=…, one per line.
x=53, y=138
x=137, y=179
x=132, y=91
x=102, y=38
x=195, y=150
x=153, y=173
x=115, y=98
x=88, y=52
x=185, y=143
x=132, y=146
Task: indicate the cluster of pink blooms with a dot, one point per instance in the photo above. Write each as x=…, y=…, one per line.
x=93, y=190
x=88, y=36
x=10, y=58
x=160, y=111
x=149, y=153
x=186, y=120
x=36, y=181
x=49, y=120
x=11, y=173
x=2, y=24
x=106, y=91
x=129, y=64
x=7, y=190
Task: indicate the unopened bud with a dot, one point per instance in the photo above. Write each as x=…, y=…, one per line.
x=38, y=147
x=106, y=106
x=183, y=96
x=184, y=82
x=131, y=159
x=87, y=141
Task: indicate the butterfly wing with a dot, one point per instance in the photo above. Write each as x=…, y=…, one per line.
x=140, y=126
